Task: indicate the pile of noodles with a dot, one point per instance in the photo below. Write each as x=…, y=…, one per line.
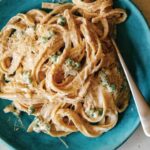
x=61, y=67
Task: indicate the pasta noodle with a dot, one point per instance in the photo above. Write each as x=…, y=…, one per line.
x=61, y=67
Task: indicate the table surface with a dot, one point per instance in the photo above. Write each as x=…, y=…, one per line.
x=138, y=141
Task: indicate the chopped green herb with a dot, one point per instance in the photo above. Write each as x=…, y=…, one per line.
x=31, y=109
x=61, y=20
x=27, y=77
x=113, y=87
x=100, y=110
x=53, y=58
x=105, y=82
x=71, y=67
x=70, y=62
x=103, y=78
x=95, y=112
x=51, y=34
x=90, y=112
x=77, y=65
x=44, y=39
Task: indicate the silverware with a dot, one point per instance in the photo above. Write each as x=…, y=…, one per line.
x=142, y=107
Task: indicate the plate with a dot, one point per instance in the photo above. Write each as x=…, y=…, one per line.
x=134, y=42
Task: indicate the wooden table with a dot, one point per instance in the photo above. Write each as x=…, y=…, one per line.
x=144, y=6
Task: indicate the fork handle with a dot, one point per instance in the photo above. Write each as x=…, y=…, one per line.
x=142, y=107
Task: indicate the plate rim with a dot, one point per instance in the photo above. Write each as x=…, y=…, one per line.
x=147, y=27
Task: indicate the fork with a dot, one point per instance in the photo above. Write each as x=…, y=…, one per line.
x=142, y=107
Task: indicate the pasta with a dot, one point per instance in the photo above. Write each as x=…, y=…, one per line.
x=61, y=67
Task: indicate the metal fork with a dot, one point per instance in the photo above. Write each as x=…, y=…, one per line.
x=142, y=107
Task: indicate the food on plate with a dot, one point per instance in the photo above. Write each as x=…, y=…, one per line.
x=61, y=67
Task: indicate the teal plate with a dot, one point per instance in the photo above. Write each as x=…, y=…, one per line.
x=134, y=42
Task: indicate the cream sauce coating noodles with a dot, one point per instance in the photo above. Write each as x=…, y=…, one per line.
x=61, y=67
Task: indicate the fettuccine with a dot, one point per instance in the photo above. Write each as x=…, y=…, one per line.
x=61, y=67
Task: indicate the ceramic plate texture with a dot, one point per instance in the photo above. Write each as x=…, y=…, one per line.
x=133, y=40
